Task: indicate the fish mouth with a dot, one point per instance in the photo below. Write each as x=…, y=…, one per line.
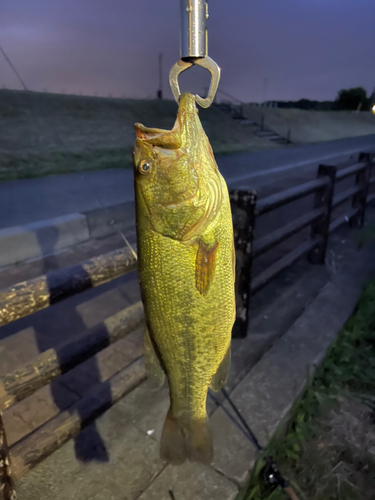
x=170, y=139
x=148, y=133
x=166, y=139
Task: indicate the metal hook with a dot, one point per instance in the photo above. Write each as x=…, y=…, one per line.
x=204, y=62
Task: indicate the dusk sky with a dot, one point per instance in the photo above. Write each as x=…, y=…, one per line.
x=305, y=48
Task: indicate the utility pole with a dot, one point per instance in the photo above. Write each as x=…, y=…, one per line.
x=265, y=84
x=159, y=93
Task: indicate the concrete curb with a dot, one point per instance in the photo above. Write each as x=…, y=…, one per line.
x=105, y=221
x=266, y=395
x=39, y=239
x=42, y=238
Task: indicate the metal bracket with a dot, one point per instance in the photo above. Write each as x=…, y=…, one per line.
x=204, y=62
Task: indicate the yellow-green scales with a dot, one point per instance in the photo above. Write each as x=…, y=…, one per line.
x=186, y=273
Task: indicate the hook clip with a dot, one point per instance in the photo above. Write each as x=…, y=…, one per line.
x=205, y=62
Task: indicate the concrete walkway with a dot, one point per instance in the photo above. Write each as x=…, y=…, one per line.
x=31, y=200
x=275, y=364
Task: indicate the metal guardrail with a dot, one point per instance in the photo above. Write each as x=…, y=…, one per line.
x=31, y=296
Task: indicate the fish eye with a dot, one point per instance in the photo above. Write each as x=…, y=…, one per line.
x=144, y=167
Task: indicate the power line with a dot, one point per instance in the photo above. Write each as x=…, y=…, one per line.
x=13, y=68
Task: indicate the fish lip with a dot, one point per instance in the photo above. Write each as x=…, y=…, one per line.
x=150, y=132
x=187, y=107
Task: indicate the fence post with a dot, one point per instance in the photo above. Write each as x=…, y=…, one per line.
x=7, y=491
x=362, y=180
x=243, y=205
x=262, y=122
x=323, y=199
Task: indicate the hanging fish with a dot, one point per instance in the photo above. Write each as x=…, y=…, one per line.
x=186, y=272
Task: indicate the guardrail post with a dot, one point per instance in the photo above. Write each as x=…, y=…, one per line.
x=7, y=491
x=243, y=205
x=362, y=180
x=323, y=199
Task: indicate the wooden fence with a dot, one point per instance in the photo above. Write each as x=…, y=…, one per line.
x=30, y=296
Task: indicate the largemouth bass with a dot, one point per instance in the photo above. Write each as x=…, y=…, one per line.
x=186, y=269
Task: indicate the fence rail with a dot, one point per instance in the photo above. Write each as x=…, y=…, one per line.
x=270, y=240
x=277, y=200
x=31, y=296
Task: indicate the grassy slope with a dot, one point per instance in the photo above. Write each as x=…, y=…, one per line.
x=328, y=449
x=96, y=132
x=315, y=126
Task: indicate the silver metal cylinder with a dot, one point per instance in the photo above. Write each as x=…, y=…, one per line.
x=194, y=14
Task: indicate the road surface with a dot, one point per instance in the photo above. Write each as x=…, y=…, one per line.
x=29, y=200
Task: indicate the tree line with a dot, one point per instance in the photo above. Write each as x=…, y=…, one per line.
x=347, y=99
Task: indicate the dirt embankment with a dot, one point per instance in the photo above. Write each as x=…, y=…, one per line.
x=314, y=126
x=45, y=134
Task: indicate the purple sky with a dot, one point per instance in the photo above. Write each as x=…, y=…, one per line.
x=305, y=48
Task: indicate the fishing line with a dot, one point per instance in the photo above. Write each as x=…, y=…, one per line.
x=66, y=150
x=242, y=420
x=228, y=414
x=270, y=471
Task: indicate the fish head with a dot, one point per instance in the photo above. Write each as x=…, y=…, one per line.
x=170, y=171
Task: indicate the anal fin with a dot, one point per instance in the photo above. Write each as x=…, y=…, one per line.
x=220, y=377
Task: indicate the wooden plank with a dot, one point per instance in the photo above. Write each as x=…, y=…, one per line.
x=340, y=198
x=52, y=363
x=353, y=169
x=272, y=239
x=283, y=197
x=37, y=446
x=345, y=218
x=243, y=204
x=267, y=275
x=28, y=297
x=320, y=228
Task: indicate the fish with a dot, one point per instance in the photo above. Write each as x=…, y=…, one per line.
x=186, y=272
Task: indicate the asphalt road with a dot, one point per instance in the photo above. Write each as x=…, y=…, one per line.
x=29, y=200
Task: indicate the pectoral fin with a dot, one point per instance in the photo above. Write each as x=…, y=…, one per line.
x=153, y=367
x=220, y=377
x=205, y=266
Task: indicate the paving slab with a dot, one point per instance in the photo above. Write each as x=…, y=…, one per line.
x=132, y=461
x=96, y=310
x=146, y=409
x=190, y=482
x=34, y=411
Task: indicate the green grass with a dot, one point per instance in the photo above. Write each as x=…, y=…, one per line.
x=97, y=133
x=40, y=165
x=315, y=450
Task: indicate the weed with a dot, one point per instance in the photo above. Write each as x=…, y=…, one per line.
x=324, y=447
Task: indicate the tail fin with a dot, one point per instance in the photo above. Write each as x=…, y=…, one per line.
x=186, y=439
